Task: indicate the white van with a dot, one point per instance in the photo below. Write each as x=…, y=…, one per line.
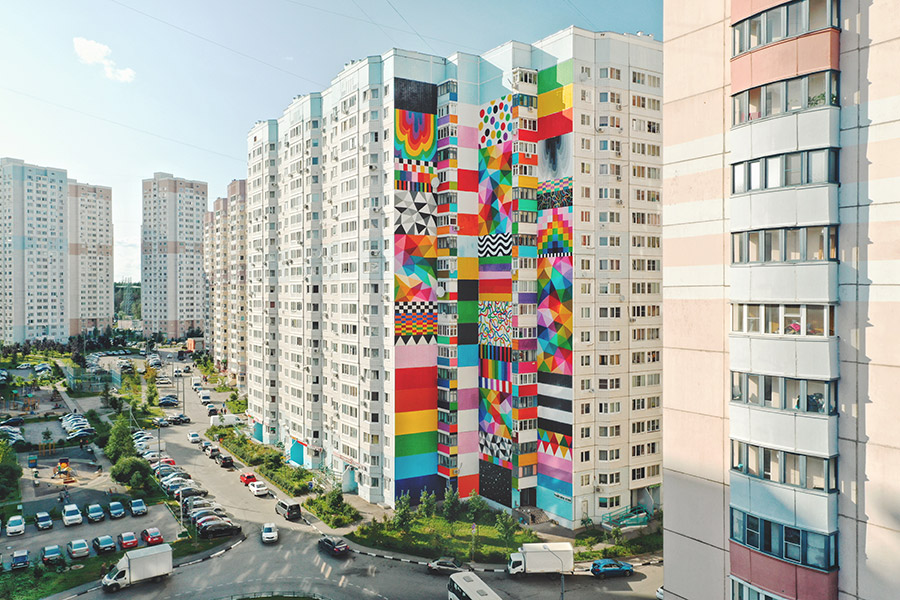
x=205, y=397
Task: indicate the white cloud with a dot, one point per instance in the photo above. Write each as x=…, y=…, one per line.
x=94, y=53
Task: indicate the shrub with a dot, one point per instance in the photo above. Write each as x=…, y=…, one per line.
x=332, y=509
x=132, y=471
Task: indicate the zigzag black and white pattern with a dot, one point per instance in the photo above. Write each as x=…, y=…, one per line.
x=499, y=244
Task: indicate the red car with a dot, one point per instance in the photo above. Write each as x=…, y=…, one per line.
x=127, y=540
x=152, y=536
x=247, y=478
x=163, y=461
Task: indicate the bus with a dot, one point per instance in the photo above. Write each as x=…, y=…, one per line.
x=468, y=586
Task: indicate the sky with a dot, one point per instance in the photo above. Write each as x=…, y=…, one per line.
x=115, y=90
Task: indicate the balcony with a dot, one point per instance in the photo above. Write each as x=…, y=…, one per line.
x=798, y=432
x=788, y=132
x=791, y=283
x=797, y=507
x=815, y=204
x=798, y=357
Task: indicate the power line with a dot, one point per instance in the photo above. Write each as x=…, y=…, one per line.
x=410, y=26
x=383, y=30
x=583, y=16
x=371, y=22
x=218, y=44
x=125, y=125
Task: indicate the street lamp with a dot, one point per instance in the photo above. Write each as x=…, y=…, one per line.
x=562, y=574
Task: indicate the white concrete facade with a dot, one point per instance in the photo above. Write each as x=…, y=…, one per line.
x=172, y=283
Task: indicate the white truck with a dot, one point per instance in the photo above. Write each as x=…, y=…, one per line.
x=553, y=557
x=225, y=420
x=196, y=382
x=152, y=562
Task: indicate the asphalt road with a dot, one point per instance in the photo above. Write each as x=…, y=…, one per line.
x=295, y=563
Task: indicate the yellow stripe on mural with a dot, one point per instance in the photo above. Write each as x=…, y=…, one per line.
x=555, y=101
x=415, y=422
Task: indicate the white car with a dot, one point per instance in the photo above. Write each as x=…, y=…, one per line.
x=15, y=525
x=194, y=437
x=660, y=593
x=269, y=533
x=258, y=488
x=71, y=515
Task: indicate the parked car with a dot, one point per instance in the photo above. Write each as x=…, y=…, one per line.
x=103, y=544
x=14, y=422
x=95, y=513
x=151, y=536
x=184, y=418
x=446, y=564
x=334, y=546
x=43, y=521
x=194, y=437
x=168, y=402
x=202, y=521
x=71, y=515
x=218, y=529
x=186, y=492
x=127, y=540
x=258, y=488
x=609, y=567
x=52, y=555
x=15, y=525
x=225, y=461
x=213, y=452
x=247, y=478
x=269, y=533
x=211, y=411
x=289, y=509
x=116, y=510
x=138, y=507
x=207, y=511
x=78, y=549
x=660, y=593
x=204, y=445
x=160, y=422
x=19, y=560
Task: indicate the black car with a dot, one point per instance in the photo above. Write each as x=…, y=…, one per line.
x=116, y=510
x=216, y=529
x=168, y=402
x=225, y=461
x=178, y=419
x=13, y=422
x=19, y=560
x=334, y=546
x=211, y=411
x=103, y=544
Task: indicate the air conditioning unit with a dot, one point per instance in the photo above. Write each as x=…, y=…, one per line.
x=618, y=178
x=373, y=167
x=618, y=107
x=632, y=320
x=600, y=130
x=619, y=202
x=374, y=253
x=618, y=153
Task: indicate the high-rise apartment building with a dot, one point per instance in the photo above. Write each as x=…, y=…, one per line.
x=91, y=300
x=454, y=275
x=224, y=264
x=56, y=259
x=779, y=291
x=172, y=288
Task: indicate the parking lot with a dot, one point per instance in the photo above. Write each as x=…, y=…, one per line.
x=34, y=539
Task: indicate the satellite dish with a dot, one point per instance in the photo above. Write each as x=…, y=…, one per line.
x=439, y=291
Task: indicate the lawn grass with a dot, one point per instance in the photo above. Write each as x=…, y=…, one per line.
x=432, y=537
x=651, y=542
x=22, y=585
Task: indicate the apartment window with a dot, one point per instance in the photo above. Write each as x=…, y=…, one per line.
x=788, y=319
x=611, y=502
x=783, y=542
x=789, y=20
x=789, y=95
x=798, y=244
x=796, y=168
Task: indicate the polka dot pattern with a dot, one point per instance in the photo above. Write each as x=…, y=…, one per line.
x=494, y=122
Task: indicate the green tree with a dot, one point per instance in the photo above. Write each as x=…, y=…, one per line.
x=506, y=528
x=274, y=462
x=133, y=472
x=152, y=393
x=451, y=505
x=335, y=501
x=105, y=396
x=403, y=514
x=476, y=507
x=120, y=443
x=115, y=402
x=427, y=503
x=47, y=434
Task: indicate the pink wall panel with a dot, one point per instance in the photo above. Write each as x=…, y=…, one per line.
x=782, y=578
x=818, y=51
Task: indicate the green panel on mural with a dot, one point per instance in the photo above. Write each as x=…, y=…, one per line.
x=416, y=443
x=555, y=77
x=494, y=260
x=468, y=311
x=527, y=204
